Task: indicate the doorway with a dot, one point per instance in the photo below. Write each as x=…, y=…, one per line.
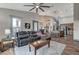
x=35, y=25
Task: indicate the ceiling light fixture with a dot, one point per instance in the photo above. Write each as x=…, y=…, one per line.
x=37, y=6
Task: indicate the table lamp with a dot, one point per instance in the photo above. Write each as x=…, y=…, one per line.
x=7, y=33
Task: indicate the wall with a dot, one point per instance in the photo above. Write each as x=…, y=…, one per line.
x=66, y=20
x=76, y=21
x=5, y=19
x=44, y=19
x=76, y=30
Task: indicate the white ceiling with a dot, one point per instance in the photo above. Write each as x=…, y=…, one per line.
x=61, y=9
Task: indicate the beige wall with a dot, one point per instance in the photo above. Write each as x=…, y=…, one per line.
x=67, y=20
x=5, y=19
x=45, y=19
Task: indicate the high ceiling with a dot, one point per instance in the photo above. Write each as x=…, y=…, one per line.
x=61, y=9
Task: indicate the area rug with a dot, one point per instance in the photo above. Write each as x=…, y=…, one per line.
x=55, y=49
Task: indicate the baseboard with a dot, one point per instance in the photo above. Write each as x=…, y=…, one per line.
x=76, y=40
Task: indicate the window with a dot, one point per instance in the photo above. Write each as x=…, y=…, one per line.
x=16, y=22
x=16, y=25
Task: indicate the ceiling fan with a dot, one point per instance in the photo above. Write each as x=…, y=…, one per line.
x=37, y=7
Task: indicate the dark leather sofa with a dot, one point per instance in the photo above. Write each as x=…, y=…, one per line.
x=23, y=37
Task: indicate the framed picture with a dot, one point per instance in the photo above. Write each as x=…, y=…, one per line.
x=27, y=25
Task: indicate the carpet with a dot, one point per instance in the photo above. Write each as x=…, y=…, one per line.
x=55, y=49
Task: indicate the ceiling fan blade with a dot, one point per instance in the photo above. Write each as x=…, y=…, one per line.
x=34, y=3
x=41, y=9
x=32, y=9
x=45, y=6
x=36, y=10
x=29, y=5
x=41, y=3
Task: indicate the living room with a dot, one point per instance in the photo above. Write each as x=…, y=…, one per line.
x=26, y=24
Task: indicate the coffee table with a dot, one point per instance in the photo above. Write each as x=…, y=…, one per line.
x=38, y=44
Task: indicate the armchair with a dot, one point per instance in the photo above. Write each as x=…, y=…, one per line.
x=6, y=44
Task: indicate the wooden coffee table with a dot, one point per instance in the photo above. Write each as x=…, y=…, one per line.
x=38, y=44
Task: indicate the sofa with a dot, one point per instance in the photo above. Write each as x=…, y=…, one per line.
x=25, y=37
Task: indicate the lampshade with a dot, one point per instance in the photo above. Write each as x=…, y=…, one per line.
x=7, y=31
